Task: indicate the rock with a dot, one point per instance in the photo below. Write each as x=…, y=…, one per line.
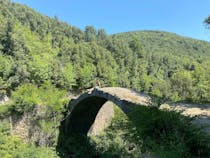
x=26, y=127
x=103, y=118
x=3, y=99
x=201, y=112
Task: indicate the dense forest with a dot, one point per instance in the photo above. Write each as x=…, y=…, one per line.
x=35, y=49
x=43, y=60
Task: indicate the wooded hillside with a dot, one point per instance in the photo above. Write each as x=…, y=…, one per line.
x=35, y=49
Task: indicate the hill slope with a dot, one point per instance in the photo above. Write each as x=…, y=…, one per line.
x=168, y=63
x=165, y=42
x=35, y=49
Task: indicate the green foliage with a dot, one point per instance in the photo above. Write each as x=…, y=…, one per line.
x=75, y=145
x=182, y=85
x=46, y=125
x=40, y=68
x=27, y=96
x=6, y=66
x=5, y=110
x=4, y=128
x=165, y=134
x=86, y=75
x=207, y=21
x=143, y=131
x=34, y=152
x=165, y=65
x=35, y=48
x=169, y=134
x=47, y=100
x=11, y=146
x=52, y=97
x=68, y=77
x=120, y=139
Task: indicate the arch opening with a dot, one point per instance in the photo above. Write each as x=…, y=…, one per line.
x=83, y=115
x=85, y=108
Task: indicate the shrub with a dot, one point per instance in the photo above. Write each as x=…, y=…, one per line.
x=27, y=96
x=170, y=133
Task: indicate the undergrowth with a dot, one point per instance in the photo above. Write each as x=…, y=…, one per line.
x=144, y=131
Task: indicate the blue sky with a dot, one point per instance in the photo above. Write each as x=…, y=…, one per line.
x=184, y=17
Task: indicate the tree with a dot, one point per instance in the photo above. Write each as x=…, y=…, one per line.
x=7, y=41
x=86, y=76
x=5, y=66
x=181, y=83
x=41, y=68
x=25, y=98
x=90, y=34
x=136, y=47
x=65, y=76
x=207, y=22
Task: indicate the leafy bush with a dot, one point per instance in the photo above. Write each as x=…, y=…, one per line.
x=49, y=102
x=169, y=133
x=27, y=96
x=5, y=110
x=14, y=147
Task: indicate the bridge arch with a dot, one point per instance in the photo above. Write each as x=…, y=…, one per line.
x=83, y=110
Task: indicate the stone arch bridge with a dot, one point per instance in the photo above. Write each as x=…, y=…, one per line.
x=98, y=103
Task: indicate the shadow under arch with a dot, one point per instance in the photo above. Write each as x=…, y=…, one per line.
x=82, y=114
x=83, y=110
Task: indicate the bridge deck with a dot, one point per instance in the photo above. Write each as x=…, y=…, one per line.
x=127, y=94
